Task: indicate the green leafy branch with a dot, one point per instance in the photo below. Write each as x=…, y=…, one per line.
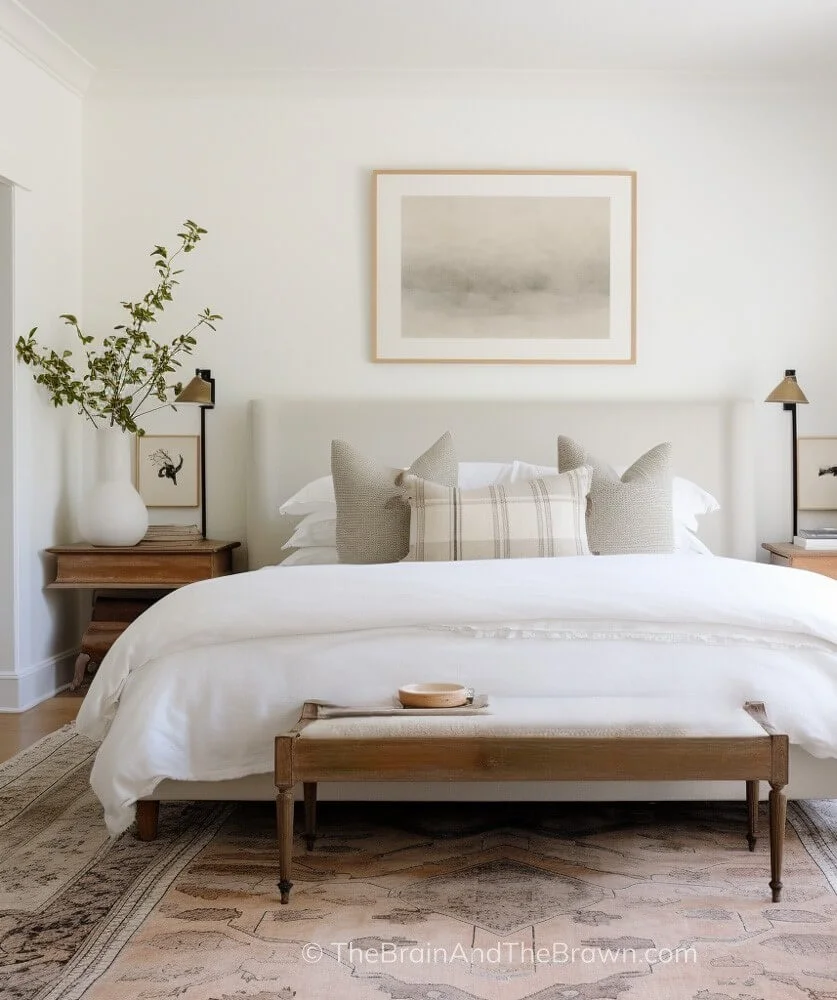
x=130, y=368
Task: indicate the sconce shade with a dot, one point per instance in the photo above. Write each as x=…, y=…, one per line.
x=787, y=391
x=197, y=391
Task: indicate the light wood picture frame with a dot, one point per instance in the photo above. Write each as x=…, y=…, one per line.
x=817, y=473
x=504, y=266
x=168, y=470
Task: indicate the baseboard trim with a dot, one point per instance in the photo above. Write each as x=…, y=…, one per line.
x=22, y=690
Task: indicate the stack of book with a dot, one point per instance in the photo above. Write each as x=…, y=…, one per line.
x=817, y=538
x=175, y=534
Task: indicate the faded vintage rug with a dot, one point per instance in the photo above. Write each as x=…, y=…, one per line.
x=406, y=902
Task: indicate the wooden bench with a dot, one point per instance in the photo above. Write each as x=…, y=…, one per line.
x=555, y=739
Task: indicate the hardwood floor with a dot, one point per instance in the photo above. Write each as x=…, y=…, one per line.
x=22, y=730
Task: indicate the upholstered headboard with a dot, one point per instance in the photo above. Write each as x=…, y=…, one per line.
x=290, y=443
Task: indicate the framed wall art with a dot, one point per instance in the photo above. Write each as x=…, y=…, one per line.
x=504, y=266
x=817, y=473
x=168, y=470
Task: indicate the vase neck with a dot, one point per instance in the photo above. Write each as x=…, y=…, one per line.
x=113, y=454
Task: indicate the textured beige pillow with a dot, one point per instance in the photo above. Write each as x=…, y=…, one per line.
x=528, y=519
x=373, y=516
x=628, y=513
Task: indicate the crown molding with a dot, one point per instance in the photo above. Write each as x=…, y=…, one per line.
x=434, y=84
x=40, y=44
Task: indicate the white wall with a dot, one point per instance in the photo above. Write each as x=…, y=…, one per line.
x=737, y=212
x=40, y=152
x=8, y=598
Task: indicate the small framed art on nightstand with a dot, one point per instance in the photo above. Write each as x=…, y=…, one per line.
x=168, y=470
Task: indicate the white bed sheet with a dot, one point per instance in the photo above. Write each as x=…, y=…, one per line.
x=199, y=686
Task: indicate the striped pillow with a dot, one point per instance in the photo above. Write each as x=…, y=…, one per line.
x=538, y=517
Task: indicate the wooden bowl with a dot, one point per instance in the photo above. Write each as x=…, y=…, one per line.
x=436, y=695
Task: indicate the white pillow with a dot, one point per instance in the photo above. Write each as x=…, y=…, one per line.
x=310, y=555
x=476, y=475
x=314, y=556
x=688, y=501
x=526, y=470
x=687, y=542
x=313, y=498
x=317, y=497
x=314, y=529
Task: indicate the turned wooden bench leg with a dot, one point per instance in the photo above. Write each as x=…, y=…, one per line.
x=148, y=813
x=778, y=811
x=752, y=813
x=285, y=831
x=310, y=790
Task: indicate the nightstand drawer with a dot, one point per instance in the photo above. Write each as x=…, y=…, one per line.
x=828, y=567
x=148, y=565
x=106, y=569
x=814, y=560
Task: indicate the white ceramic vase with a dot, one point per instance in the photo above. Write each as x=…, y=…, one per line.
x=113, y=512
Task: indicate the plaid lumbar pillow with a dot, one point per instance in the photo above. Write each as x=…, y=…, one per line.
x=538, y=517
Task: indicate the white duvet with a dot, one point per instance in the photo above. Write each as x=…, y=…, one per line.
x=197, y=688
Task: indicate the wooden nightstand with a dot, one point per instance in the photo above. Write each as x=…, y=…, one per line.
x=816, y=560
x=127, y=581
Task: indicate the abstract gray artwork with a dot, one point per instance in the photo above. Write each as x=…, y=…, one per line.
x=505, y=267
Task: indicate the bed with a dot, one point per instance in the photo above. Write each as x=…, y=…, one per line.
x=189, y=702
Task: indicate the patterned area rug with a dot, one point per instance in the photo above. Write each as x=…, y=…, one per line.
x=406, y=902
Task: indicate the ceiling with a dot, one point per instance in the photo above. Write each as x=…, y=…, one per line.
x=215, y=37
